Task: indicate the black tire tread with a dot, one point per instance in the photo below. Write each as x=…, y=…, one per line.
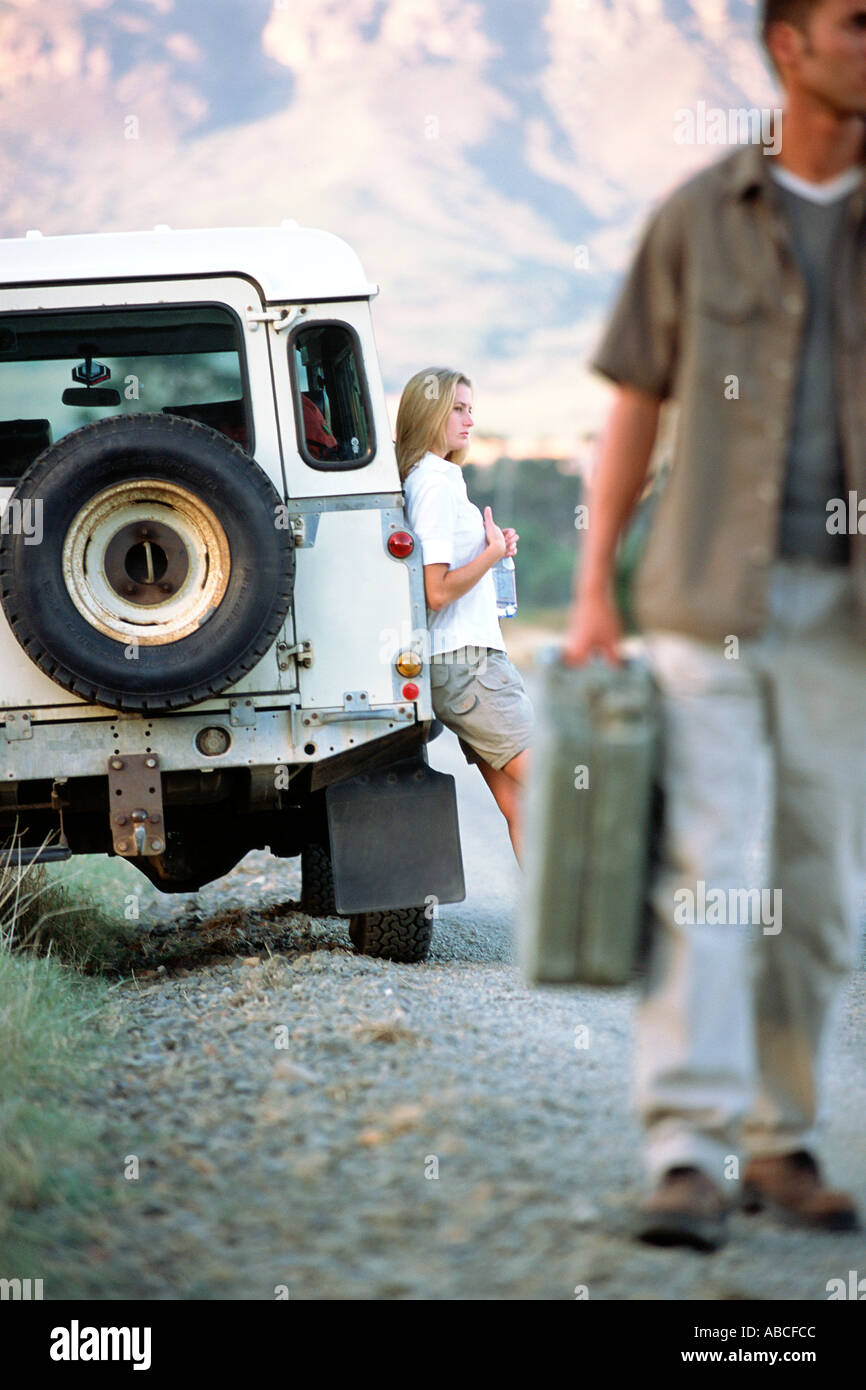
x=402, y=934
x=317, y=881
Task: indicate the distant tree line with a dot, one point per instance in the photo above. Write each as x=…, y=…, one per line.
x=539, y=501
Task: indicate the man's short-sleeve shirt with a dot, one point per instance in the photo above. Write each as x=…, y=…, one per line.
x=711, y=315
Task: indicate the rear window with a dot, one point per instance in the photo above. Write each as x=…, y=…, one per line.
x=332, y=403
x=62, y=370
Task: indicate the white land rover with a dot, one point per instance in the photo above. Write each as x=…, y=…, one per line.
x=212, y=636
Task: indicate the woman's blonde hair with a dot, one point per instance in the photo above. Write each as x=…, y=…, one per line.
x=426, y=403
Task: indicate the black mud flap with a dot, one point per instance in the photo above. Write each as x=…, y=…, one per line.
x=395, y=841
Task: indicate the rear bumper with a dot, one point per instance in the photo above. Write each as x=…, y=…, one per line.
x=40, y=749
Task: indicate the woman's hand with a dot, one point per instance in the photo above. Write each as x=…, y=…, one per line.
x=496, y=542
x=511, y=539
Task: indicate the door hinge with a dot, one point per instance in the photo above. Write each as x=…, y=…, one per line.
x=17, y=726
x=304, y=528
x=302, y=652
x=280, y=318
x=242, y=713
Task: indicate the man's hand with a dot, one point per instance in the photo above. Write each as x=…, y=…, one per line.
x=594, y=628
x=620, y=474
x=496, y=542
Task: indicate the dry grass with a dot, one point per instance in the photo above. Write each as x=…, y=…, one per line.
x=44, y=917
x=49, y=1019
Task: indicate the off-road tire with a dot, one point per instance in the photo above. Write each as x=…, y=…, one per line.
x=317, y=881
x=224, y=624
x=400, y=933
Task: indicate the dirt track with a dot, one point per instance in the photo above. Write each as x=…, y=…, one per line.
x=340, y=1127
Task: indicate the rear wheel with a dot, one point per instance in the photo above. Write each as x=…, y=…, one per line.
x=400, y=933
x=317, y=881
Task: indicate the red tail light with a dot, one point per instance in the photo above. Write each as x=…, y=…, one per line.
x=400, y=544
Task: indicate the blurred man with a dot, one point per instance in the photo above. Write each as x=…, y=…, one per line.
x=746, y=305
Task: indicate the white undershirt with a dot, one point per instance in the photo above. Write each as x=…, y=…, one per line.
x=827, y=192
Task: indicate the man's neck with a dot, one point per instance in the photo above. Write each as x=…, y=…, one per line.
x=817, y=144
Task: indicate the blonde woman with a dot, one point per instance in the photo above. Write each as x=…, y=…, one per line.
x=477, y=692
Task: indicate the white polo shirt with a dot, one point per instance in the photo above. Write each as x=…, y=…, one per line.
x=451, y=531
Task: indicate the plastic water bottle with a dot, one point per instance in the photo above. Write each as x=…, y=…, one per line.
x=506, y=587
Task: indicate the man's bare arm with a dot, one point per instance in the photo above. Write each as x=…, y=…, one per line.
x=619, y=478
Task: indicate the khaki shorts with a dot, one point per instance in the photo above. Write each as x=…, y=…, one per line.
x=480, y=696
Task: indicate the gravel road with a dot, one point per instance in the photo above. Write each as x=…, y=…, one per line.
x=334, y=1127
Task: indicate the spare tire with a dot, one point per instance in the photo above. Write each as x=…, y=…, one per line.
x=161, y=577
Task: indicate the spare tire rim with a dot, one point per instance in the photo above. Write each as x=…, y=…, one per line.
x=146, y=561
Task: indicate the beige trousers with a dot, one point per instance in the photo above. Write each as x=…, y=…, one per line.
x=764, y=772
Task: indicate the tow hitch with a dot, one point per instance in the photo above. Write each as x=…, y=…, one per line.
x=135, y=794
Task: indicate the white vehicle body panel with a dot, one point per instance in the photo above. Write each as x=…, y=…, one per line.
x=355, y=603
x=289, y=263
x=380, y=474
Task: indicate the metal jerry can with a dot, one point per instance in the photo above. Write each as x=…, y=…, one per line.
x=592, y=808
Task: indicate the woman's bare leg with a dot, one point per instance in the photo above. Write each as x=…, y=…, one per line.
x=505, y=784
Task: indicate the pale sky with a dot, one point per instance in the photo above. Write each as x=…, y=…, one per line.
x=491, y=162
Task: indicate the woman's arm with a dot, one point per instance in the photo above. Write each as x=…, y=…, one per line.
x=442, y=584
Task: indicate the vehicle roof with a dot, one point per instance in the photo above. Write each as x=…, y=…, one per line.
x=288, y=262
